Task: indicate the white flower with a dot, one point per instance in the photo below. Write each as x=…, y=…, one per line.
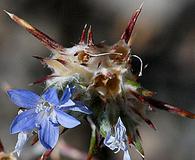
x=119, y=141
x=22, y=138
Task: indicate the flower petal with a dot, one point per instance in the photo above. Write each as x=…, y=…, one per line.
x=110, y=142
x=68, y=104
x=23, y=98
x=109, y=139
x=25, y=121
x=119, y=140
x=48, y=134
x=126, y=155
x=50, y=95
x=79, y=107
x=66, y=120
x=120, y=130
x=22, y=138
x=67, y=94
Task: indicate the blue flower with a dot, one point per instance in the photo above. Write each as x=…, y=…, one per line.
x=44, y=114
x=119, y=141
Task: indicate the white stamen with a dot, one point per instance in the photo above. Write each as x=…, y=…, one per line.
x=141, y=62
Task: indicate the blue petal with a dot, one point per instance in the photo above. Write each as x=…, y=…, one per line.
x=25, y=121
x=69, y=103
x=53, y=118
x=23, y=98
x=50, y=95
x=79, y=107
x=48, y=134
x=109, y=141
x=66, y=120
x=67, y=94
x=72, y=89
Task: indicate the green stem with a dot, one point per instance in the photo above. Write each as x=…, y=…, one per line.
x=92, y=140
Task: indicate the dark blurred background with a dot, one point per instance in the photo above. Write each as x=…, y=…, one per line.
x=164, y=37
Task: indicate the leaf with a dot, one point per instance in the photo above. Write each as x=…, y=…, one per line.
x=133, y=83
x=138, y=88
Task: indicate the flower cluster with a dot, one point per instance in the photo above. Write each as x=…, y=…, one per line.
x=89, y=74
x=43, y=115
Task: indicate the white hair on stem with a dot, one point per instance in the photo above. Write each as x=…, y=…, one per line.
x=103, y=54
